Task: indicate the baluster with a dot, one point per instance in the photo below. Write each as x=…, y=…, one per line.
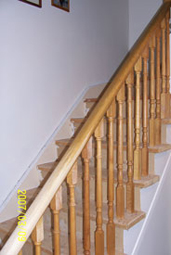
x=158, y=91
x=120, y=188
x=20, y=253
x=168, y=63
x=152, y=94
x=130, y=184
x=145, y=57
x=56, y=206
x=99, y=233
x=71, y=181
x=86, y=155
x=164, y=88
x=110, y=228
x=137, y=151
x=37, y=236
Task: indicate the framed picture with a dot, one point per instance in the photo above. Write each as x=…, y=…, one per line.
x=37, y=3
x=61, y=4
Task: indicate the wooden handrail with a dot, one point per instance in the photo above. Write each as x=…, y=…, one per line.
x=43, y=199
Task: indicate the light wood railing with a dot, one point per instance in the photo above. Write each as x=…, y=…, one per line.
x=131, y=80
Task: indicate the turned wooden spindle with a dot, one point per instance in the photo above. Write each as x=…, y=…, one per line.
x=158, y=91
x=120, y=188
x=110, y=227
x=86, y=155
x=99, y=233
x=137, y=150
x=56, y=206
x=37, y=236
x=130, y=184
x=164, y=87
x=152, y=92
x=144, y=169
x=72, y=181
x=168, y=62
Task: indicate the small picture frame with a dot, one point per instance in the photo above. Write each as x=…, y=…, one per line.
x=37, y=3
x=62, y=4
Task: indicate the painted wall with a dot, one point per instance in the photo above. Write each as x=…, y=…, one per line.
x=140, y=13
x=47, y=58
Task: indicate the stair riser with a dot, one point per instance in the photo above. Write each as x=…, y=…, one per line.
x=153, y=151
x=168, y=133
x=79, y=226
x=76, y=125
x=89, y=105
x=79, y=187
x=79, y=191
x=104, y=157
x=164, y=131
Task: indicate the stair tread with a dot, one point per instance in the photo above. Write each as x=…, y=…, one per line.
x=95, y=99
x=87, y=100
x=65, y=141
x=145, y=181
x=154, y=149
x=159, y=148
x=81, y=120
x=47, y=166
x=129, y=220
x=166, y=121
x=77, y=120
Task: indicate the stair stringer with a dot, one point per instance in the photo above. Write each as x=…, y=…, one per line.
x=168, y=132
x=134, y=243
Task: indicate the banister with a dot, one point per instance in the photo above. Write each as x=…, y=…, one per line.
x=43, y=199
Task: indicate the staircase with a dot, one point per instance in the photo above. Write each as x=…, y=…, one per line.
x=92, y=194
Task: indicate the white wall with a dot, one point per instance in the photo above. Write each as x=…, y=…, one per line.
x=140, y=13
x=47, y=57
